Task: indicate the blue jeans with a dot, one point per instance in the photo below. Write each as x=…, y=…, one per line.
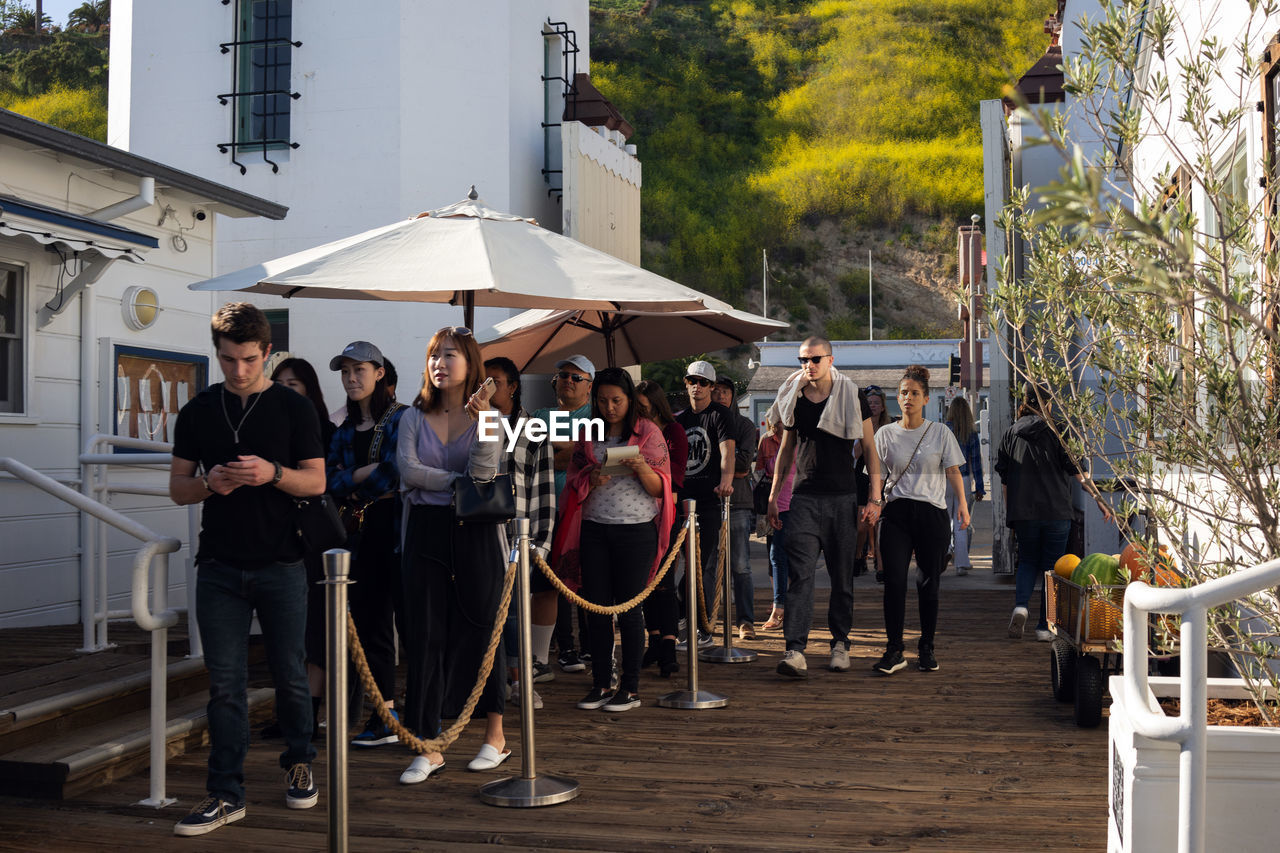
x=226, y=598
x=1040, y=544
x=778, y=564
x=741, y=523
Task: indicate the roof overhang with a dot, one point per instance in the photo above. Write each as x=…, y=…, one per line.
x=63, y=143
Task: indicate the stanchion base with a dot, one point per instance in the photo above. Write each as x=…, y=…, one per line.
x=157, y=804
x=720, y=654
x=516, y=792
x=691, y=700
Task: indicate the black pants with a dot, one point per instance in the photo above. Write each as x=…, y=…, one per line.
x=377, y=596
x=912, y=526
x=616, y=559
x=662, y=607
x=452, y=588
x=564, y=626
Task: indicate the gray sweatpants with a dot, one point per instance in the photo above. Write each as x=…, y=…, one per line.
x=820, y=523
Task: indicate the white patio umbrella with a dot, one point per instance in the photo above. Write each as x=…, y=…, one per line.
x=537, y=339
x=466, y=254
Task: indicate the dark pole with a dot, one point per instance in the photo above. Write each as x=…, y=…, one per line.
x=39, y=15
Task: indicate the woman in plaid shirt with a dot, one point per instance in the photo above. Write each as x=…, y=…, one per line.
x=533, y=465
x=960, y=419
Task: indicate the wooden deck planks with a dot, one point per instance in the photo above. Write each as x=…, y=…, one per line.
x=976, y=756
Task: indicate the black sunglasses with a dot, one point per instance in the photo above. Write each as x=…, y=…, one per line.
x=816, y=359
x=699, y=381
x=572, y=377
x=456, y=331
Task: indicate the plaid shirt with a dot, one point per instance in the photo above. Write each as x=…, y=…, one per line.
x=533, y=464
x=341, y=464
x=973, y=460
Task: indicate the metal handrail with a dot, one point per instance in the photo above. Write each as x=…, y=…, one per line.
x=1188, y=729
x=157, y=621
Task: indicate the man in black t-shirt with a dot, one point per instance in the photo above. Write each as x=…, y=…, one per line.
x=708, y=477
x=246, y=447
x=822, y=415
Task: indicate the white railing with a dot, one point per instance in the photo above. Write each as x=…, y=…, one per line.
x=1188, y=729
x=153, y=615
x=95, y=484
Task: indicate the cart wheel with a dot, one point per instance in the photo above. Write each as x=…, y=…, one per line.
x=1088, y=710
x=1062, y=669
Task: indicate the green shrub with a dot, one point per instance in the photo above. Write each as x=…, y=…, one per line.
x=82, y=111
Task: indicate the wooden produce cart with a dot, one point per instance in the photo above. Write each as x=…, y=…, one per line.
x=1088, y=627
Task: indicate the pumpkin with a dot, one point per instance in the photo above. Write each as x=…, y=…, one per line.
x=1101, y=569
x=1136, y=561
x=1066, y=565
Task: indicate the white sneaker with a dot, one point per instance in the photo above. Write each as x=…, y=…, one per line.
x=1017, y=621
x=839, y=659
x=1044, y=635
x=793, y=665
x=515, y=696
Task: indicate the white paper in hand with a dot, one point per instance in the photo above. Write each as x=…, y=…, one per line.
x=613, y=457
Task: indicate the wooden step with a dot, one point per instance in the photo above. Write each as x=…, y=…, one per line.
x=48, y=702
x=70, y=764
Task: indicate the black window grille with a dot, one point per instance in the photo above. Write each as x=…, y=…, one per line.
x=260, y=97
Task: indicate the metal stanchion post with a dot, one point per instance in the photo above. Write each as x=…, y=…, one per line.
x=337, y=567
x=727, y=653
x=528, y=789
x=692, y=698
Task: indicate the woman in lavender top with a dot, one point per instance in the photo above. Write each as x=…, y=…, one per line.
x=453, y=573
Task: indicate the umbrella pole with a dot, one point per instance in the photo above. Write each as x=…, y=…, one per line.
x=469, y=309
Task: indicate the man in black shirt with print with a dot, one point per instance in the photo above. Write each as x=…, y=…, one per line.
x=708, y=477
x=822, y=415
x=246, y=447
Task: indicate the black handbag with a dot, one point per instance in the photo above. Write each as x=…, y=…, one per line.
x=484, y=501
x=760, y=496
x=320, y=527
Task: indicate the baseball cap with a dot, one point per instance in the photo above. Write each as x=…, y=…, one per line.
x=703, y=369
x=357, y=351
x=581, y=362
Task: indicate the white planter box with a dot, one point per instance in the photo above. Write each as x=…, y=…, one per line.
x=1243, y=792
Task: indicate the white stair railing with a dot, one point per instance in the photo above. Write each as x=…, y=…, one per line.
x=154, y=615
x=1188, y=729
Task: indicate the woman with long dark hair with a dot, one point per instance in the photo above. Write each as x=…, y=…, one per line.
x=619, y=521
x=453, y=573
x=960, y=420
x=866, y=534
x=767, y=463
x=364, y=479
x=662, y=608
x=299, y=375
x=921, y=459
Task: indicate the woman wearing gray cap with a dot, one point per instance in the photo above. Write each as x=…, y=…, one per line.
x=365, y=480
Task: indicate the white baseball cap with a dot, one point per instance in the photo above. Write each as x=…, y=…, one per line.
x=703, y=369
x=581, y=362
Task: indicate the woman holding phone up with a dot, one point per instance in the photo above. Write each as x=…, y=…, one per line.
x=453, y=573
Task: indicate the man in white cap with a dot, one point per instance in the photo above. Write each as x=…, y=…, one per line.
x=708, y=477
x=572, y=382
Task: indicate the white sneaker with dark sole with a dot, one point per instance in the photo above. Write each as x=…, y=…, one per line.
x=1017, y=622
x=793, y=665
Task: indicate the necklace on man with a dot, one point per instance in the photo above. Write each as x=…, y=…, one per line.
x=235, y=430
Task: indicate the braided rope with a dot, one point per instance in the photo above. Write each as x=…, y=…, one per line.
x=446, y=739
x=709, y=621
x=614, y=609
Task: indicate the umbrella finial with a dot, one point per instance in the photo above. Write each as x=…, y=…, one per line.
x=473, y=195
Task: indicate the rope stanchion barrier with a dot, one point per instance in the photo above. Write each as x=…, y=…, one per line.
x=613, y=609
x=709, y=620
x=451, y=734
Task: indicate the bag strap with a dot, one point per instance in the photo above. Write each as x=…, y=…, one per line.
x=375, y=446
x=919, y=441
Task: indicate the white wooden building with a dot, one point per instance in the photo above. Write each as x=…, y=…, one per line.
x=98, y=334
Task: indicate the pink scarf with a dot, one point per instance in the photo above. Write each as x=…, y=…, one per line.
x=564, y=551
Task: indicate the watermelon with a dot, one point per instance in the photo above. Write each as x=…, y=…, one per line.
x=1101, y=569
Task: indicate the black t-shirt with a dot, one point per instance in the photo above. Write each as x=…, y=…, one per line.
x=705, y=430
x=253, y=526
x=824, y=463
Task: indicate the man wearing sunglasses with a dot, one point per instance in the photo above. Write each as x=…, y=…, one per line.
x=708, y=477
x=822, y=416
x=572, y=383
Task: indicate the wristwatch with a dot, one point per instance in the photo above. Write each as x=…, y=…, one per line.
x=204, y=478
x=877, y=501
x=279, y=473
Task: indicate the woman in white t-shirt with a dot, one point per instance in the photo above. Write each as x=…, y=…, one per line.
x=921, y=458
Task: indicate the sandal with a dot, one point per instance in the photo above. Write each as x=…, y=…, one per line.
x=774, y=622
